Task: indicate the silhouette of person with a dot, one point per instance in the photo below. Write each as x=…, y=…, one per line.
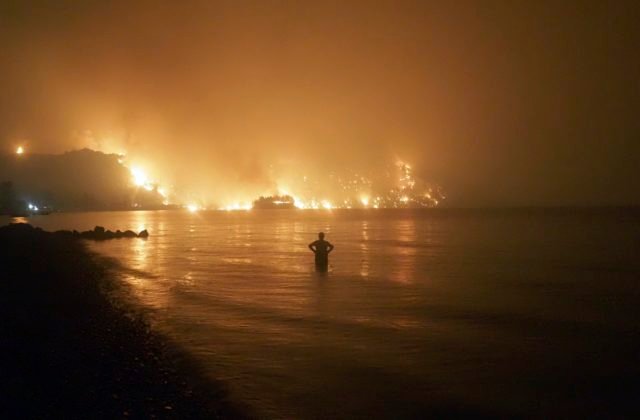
x=322, y=249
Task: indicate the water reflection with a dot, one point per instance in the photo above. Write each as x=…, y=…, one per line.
x=364, y=249
x=239, y=291
x=321, y=292
x=243, y=289
x=405, y=252
x=187, y=280
x=140, y=249
x=146, y=257
x=149, y=290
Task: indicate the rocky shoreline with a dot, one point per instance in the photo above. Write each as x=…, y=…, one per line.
x=68, y=351
x=100, y=234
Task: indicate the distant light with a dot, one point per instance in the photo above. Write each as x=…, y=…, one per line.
x=35, y=208
x=326, y=204
x=30, y=206
x=20, y=150
x=365, y=201
x=193, y=208
x=237, y=206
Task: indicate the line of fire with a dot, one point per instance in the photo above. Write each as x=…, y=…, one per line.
x=40, y=183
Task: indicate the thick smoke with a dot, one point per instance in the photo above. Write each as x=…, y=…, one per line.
x=496, y=103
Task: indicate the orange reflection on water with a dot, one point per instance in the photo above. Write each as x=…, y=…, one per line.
x=405, y=261
x=149, y=276
x=364, y=250
x=148, y=290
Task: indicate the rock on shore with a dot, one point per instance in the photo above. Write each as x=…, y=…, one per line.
x=100, y=234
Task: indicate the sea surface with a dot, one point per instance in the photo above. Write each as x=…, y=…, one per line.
x=423, y=312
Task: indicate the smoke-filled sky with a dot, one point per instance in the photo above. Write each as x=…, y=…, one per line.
x=499, y=103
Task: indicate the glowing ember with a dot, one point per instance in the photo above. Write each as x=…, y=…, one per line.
x=326, y=204
x=393, y=187
x=140, y=177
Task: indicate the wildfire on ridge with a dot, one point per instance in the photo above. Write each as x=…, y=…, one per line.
x=140, y=179
x=397, y=188
x=390, y=186
x=193, y=207
x=393, y=187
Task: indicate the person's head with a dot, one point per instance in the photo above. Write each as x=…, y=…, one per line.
x=321, y=235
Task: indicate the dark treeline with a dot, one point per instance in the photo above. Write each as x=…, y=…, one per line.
x=77, y=180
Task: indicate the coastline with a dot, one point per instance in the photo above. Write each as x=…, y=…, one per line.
x=69, y=351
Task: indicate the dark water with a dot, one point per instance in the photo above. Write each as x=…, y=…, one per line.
x=514, y=312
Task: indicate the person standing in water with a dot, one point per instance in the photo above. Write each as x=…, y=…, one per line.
x=322, y=249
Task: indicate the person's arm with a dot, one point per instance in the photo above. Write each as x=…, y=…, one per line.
x=311, y=247
x=330, y=248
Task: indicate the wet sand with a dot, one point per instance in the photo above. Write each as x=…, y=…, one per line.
x=69, y=351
